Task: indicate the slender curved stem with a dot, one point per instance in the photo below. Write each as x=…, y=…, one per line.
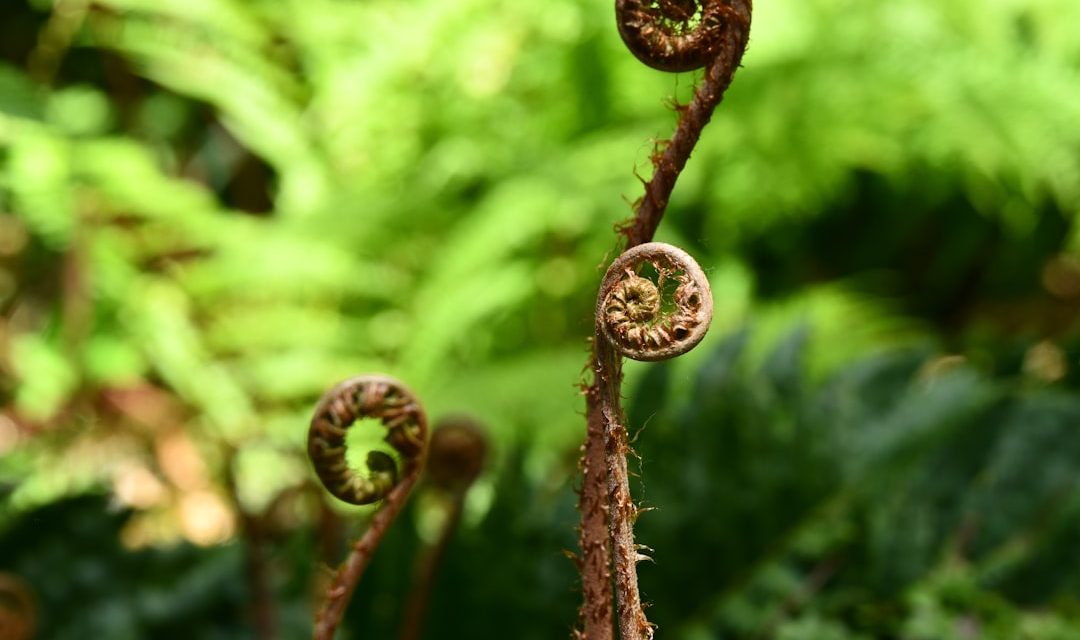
x=348, y=576
x=718, y=76
x=613, y=552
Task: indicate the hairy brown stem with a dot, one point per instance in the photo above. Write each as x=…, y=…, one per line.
x=632, y=620
x=718, y=76
x=607, y=509
x=596, y=618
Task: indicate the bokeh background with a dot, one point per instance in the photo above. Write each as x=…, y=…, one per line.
x=213, y=210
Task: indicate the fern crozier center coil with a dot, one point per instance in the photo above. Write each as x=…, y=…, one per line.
x=631, y=310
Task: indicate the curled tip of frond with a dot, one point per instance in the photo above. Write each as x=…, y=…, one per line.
x=367, y=396
x=676, y=35
x=632, y=311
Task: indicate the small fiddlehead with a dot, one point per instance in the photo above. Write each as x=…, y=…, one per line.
x=632, y=314
x=673, y=35
x=386, y=399
x=458, y=452
x=365, y=397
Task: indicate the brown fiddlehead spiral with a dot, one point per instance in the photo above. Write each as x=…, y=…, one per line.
x=385, y=399
x=458, y=453
x=365, y=397
x=630, y=309
x=673, y=35
x=668, y=162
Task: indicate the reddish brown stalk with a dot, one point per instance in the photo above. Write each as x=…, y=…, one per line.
x=596, y=618
x=607, y=509
x=632, y=620
x=348, y=576
x=718, y=76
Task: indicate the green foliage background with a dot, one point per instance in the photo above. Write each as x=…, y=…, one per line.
x=212, y=210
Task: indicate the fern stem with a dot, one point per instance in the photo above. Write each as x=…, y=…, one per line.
x=611, y=550
x=348, y=576
x=694, y=117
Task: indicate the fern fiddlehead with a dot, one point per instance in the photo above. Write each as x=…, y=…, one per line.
x=631, y=317
x=672, y=35
x=369, y=396
x=724, y=40
x=630, y=308
x=458, y=453
x=643, y=320
x=389, y=401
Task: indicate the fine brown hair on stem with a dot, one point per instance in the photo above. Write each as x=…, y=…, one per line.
x=634, y=320
x=666, y=34
x=457, y=454
x=391, y=402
